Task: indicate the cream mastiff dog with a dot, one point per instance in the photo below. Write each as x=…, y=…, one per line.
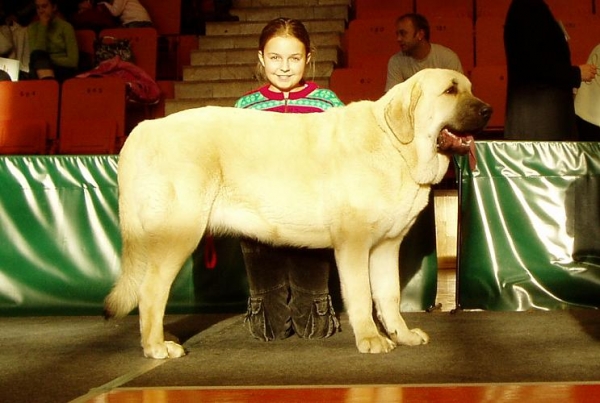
x=352, y=178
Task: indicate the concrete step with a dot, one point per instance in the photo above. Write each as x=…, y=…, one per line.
x=243, y=71
x=305, y=13
x=250, y=56
x=194, y=94
x=202, y=89
x=212, y=89
x=229, y=42
x=283, y=3
x=224, y=88
x=255, y=27
x=178, y=105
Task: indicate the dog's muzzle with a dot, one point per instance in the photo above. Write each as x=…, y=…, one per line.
x=460, y=141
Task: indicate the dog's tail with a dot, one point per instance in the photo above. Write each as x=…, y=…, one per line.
x=123, y=298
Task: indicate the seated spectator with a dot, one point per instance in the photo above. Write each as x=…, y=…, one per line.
x=130, y=12
x=20, y=11
x=6, y=46
x=90, y=15
x=20, y=50
x=18, y=15
x=53, y=44
x=417, y=53
x=6, y=42
x=586, y=104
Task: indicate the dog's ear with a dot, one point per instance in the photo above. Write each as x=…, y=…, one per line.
x=400, y=112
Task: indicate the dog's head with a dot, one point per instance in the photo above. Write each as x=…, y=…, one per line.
x=432, y=115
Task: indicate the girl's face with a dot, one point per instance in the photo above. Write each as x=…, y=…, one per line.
x=284, y=59
x=45, y=9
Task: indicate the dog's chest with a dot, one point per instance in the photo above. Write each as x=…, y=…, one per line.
x=406, y=210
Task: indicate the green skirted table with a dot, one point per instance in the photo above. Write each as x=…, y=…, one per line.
x=529, y=226
x=60, y=243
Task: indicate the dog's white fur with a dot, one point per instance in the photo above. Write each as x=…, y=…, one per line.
x=352, y=178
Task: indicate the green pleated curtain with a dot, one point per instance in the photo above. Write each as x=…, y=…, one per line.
x=60, y=243
x=530, y=226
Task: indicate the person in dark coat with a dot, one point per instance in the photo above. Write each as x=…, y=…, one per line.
x=541, y=79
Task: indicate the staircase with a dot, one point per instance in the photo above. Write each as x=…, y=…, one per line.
x=223, y=68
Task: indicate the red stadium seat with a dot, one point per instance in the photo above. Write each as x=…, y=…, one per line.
x=445, y=8
x=144, y=45
x=167, y=89
x=456, y=33
x=369, y=38
x=571, y=8
x=92, y=116
x=491, y=8
x=356, y=84
x=165, y=15
x=390, y=9
x=85, y=43
x=584, y=35
x=489, y=41
x=28, y=116
x=489, y=84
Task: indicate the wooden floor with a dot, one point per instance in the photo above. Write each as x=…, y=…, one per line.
x=543, y=393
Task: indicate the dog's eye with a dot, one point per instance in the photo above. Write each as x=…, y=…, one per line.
x=451, y=90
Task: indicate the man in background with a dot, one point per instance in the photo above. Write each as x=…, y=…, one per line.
x=416, y=52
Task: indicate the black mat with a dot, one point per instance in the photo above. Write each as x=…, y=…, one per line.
x=57, y=359
x=467, y=347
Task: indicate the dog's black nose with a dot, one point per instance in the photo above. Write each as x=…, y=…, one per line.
x=486, y=111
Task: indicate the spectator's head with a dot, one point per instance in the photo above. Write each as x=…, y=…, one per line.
x=284, y=51
x=46, y=9
x=411, y=30
x=84, y=5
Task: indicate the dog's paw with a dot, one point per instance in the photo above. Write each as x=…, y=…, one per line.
x=168, y=349
x=424, y=337
x=375, y=345
x=414, y=337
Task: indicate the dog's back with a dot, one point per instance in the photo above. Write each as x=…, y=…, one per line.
x=245, y=164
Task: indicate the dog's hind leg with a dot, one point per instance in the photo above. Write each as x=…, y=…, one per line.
x=167, y=255
x=154, y=293
x=385, y=285
x=353, y=262
x=171, y=236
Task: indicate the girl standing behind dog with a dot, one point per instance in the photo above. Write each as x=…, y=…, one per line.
x=288, y=286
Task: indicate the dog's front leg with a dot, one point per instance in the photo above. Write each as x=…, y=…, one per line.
x=353, y=267
x=385, y=285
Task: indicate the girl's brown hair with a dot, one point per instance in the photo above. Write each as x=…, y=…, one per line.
x=284, y=27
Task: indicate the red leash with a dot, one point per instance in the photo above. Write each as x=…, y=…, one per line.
x=210, y=252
